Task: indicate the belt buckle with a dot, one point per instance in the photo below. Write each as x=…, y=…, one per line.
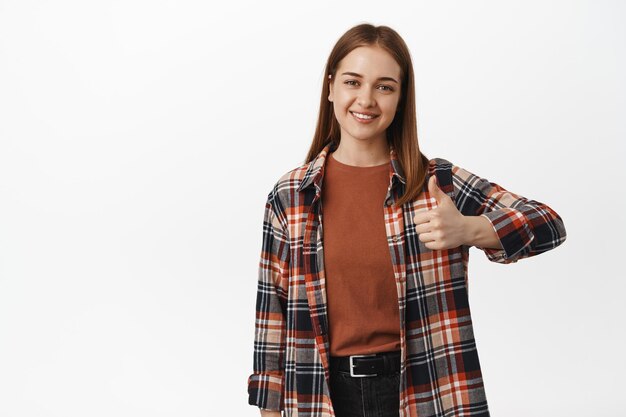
x=352, y=365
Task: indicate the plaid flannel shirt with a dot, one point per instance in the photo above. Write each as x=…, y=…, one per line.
x=440, y=371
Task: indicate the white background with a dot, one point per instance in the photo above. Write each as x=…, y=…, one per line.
x=139, y=140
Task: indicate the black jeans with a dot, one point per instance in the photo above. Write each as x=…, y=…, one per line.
x=371, y=396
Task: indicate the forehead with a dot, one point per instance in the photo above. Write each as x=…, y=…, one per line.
x=370, y=61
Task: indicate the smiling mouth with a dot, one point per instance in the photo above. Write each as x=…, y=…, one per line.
x=364, y=117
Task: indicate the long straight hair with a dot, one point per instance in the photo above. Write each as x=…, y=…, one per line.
x=402, y=133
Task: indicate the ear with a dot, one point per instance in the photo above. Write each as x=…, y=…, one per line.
x=330, y=88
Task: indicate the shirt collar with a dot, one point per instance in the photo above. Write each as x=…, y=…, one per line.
x=315, y=171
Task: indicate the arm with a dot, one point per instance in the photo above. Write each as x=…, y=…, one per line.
x=523, y=227
x=265, y=384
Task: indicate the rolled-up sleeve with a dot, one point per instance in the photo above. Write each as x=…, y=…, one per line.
x=524, y=227
x=266, y=383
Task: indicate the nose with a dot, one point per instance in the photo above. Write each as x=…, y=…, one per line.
x=365, y=98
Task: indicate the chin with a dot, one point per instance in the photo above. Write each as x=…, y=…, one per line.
x=366, y=137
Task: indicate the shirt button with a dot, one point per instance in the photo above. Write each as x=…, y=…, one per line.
x=395, y=238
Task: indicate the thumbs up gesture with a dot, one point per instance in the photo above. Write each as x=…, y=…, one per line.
x=443, y=227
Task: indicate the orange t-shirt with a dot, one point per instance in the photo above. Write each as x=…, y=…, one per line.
x=361, y=291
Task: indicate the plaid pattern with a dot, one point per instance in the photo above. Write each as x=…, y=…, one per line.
x=440, y=373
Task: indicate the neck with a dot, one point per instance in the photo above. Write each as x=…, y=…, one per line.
x=363, y=154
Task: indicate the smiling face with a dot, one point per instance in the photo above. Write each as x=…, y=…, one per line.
x=367, y=81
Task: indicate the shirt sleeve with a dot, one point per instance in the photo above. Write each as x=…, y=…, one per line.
x=265, y=384
x=525, y=227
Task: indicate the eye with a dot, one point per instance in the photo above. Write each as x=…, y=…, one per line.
x=354, y=82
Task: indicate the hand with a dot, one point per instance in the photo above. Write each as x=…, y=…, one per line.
x=443, y=227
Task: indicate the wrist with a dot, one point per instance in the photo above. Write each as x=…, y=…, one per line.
x=477, y=228
x=469, y=230
x=480, y=232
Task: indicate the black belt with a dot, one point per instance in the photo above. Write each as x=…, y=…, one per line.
x=381, y=363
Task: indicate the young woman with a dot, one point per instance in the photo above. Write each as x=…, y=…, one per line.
x=362, y=303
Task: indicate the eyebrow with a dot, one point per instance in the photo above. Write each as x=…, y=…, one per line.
x=354, y=74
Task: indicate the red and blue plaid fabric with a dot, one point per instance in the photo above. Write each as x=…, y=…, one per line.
x=440, y=372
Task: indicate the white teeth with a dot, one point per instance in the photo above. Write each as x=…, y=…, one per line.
x=362, y=116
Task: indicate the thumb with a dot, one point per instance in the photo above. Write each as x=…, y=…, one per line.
x=434, y=189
